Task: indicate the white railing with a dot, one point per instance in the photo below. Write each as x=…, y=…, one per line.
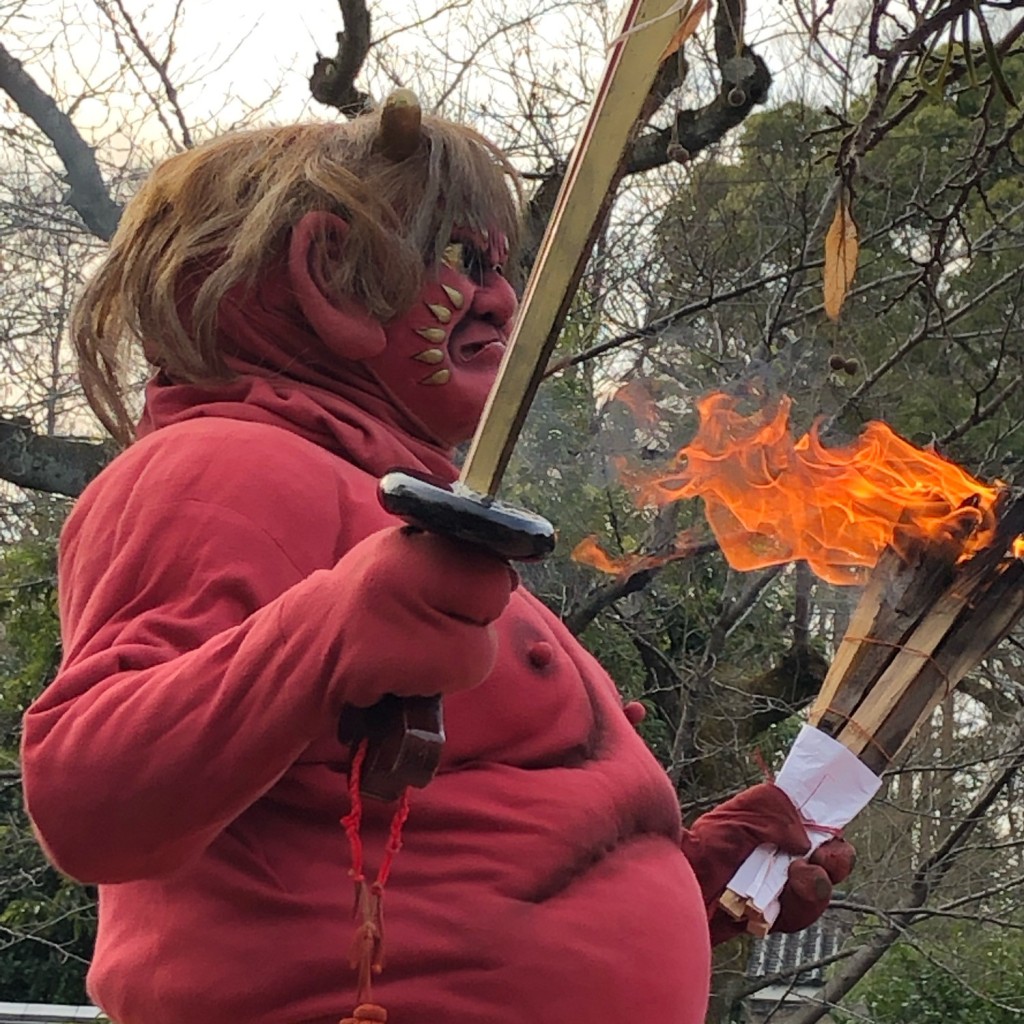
x=43, y=1013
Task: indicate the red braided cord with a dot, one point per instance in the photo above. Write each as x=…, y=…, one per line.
x=353, y=820
x=394, y=843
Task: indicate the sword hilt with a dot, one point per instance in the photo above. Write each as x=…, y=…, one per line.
x=406, y=734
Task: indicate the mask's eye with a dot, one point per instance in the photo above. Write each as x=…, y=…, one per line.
x=453, y=256
x=465, y=258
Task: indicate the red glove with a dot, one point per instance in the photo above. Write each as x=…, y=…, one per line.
x=414, y=612
x=721, y=840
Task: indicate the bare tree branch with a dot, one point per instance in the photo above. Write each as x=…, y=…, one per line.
x=333, y=79
x=739, y=596
x=57, y=465
x=745, y=82
x=88, y=195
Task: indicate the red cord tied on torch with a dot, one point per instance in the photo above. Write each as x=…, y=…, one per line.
x=367, y=952
x=830, y=830
x=769, y=776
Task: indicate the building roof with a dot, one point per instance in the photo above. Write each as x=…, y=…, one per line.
x=784, y=954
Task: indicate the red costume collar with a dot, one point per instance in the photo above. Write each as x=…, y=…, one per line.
x=323, y=417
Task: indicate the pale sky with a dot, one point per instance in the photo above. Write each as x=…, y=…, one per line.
x=232, y=55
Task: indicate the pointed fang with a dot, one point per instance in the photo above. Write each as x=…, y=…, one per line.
x=430, y=355
x=443, y=313
x=433, y=334
x=438, y=377
x=454, y=296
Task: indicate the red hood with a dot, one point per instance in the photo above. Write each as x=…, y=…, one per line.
x=289, y=377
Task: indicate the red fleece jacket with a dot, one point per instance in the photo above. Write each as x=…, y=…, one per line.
x=185, y=760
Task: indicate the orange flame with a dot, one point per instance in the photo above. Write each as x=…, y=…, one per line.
x=771, y=499
x=589, y=552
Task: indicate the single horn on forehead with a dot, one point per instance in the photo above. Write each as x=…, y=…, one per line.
x=400, y=121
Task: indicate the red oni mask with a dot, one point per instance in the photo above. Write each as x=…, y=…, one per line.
x=442, y=356
x=436, y=362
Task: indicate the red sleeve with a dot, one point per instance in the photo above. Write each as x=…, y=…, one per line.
x=138, y=754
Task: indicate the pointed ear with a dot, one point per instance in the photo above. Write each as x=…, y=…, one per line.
x=342, y=324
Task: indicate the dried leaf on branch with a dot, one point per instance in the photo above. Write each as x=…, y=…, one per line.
x=841, y=251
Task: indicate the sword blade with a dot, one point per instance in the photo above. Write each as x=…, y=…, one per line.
x=594, y=171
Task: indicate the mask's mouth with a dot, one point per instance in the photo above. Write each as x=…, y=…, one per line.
x=477, y=343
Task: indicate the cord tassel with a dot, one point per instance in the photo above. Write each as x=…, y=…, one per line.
x=365, y=1013
x=367, y=952
x=366, y=955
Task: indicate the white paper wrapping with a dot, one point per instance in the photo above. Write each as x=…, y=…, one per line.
x=830, y=787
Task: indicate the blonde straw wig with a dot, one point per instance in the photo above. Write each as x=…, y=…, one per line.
x=220, y=215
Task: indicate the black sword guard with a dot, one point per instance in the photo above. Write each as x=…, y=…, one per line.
x=455, y=511
x=405, y=735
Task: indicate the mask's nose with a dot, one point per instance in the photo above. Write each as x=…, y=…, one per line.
x=495, y=300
